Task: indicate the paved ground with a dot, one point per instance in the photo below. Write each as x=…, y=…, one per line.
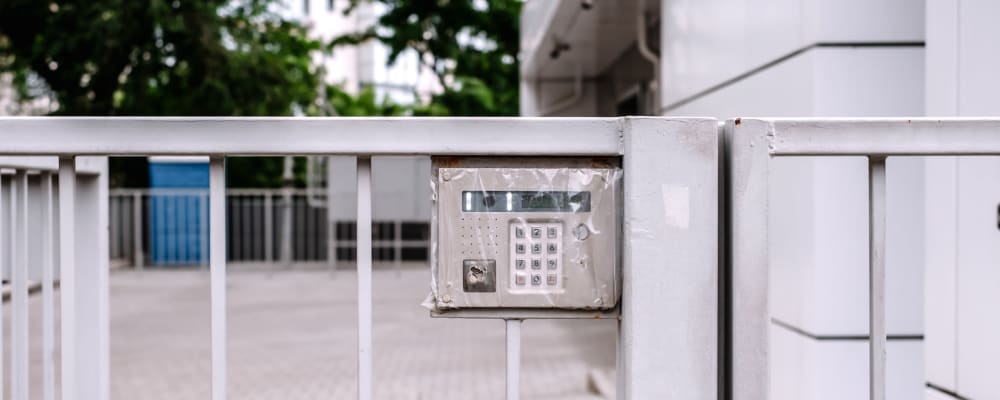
x=292, y=336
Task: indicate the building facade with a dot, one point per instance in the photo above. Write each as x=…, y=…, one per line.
x=812, y=58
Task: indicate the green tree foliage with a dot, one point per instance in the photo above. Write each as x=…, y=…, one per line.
x=471, y=45
x=159, y=57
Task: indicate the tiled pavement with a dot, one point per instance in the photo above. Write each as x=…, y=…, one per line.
x=292, y=335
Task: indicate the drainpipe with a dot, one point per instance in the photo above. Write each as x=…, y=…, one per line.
x=648, y=54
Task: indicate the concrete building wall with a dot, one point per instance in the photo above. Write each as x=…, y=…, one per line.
x=963, y=281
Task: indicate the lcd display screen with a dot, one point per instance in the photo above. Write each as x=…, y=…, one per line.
x=525, y=201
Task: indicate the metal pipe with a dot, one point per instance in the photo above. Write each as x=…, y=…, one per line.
x=217, y=252
x=364, y=262
x=19, y=334
x=286, y=212
x=876, y=276
x=138, y=259
x=647, y=53
x=67, y=271
x=331, y=223
x=48, y=306
x=513, y=358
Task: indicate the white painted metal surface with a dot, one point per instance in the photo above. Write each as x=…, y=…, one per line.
x=217, y=266
x=513, y=332
x=309, y=136
x=47, y=232
x=67, y=279
x=364, y=256
x=683, y=189
x=876, y=277
x=670, y=286
x=753, y=143
x=19, y=288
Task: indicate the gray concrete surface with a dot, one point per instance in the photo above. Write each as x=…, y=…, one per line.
x=292, y=335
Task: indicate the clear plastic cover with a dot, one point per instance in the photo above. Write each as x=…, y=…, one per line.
x=525, y=234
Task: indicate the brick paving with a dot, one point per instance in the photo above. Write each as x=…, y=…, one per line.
x=292, y=335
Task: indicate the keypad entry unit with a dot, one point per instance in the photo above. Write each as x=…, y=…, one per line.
x=515, y=237
x=536, y=251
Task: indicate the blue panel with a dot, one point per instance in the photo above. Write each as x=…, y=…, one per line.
x=176, y=220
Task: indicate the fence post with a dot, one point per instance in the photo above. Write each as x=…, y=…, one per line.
x=669, y=325
x=138, y=259
x=747, y=169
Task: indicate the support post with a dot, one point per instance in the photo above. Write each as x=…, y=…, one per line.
x=19, y=334
x=217, y=266
x=331, y=221
x=747, y=368
x=48, y=306
x=138, y=259
x=364, y=262
x=67, y=272
x=876, y=276
x=669, y=327
x=513, y=358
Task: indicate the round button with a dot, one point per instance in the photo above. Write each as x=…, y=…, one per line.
x=581, y=232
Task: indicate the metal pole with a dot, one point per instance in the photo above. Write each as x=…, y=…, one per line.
x=67, y=271
x=398, y=245
x=513, y=358
x=876, y=276
x=48, y=308
x=364, y=263
x=331, y=224
x=217, y=252
x=747, y=262
x=3, y=226
x=203, y=229
x=19, y=293
x=286, y=210
x=269, y=228
x=138, y=259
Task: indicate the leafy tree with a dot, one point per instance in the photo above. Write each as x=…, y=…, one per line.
x=470, y=45
x=157, y=57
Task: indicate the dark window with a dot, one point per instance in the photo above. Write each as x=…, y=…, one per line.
x=329, y=4
x=305, y=6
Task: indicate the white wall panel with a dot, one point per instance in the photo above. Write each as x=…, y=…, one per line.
x=805, y=368
x=978, y=331
x=708, y=42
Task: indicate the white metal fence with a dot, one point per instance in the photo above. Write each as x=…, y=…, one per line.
x=169, y=227
x=674, y=253
x=751, y=145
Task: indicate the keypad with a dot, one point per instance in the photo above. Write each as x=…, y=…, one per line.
x=536, y=256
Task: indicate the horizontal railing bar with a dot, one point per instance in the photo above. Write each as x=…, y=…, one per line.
x=259, y=136
x=44, y=163
x=881, y=137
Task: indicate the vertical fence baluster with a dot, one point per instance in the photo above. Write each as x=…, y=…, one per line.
x=19, y=293
x=203, y=199
x=48, y=308
x=513, y=358
x=876, y=276
x=138, y=258
x=364, y=265
x=3, y=263
x=331, y=225
x=67, y=274
x=398, y=246
x=269, y=228
x=217, y=252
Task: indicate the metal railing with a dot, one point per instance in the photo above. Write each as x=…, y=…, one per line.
x=169, y=227
x=751, y=145
x=672, y=252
